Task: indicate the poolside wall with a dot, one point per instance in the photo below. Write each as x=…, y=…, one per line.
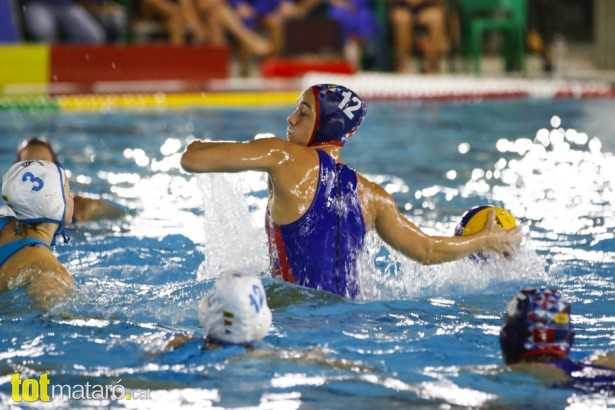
x=60, y=69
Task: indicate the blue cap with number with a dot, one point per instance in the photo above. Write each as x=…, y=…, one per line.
x=339, y=113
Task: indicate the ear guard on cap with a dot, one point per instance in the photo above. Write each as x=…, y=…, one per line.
x=340, y=112
x=536, y=322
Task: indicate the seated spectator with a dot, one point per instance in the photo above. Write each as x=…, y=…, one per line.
x=221, y=19
x=168, y=12
x=54, y=21
x=267, y=15
x=111, y=16
x=358, y=24
x=537, y=336
x=86, y=209
x=204, y=22
x=404, y=16
x=38, y=195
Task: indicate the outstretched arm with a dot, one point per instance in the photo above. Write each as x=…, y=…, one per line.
x=606, y=360
x=402, y=235
x=259, y=155
x=88, y=209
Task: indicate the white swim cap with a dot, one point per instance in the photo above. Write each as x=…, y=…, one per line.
x=236, y=310
x=34, y=190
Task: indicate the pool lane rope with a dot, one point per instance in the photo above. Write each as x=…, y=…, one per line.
x=371, y=86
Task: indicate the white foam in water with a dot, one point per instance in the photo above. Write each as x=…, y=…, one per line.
x=233, y=241
x=403, y=278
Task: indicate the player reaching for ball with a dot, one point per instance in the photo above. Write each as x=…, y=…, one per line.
x=319, y=209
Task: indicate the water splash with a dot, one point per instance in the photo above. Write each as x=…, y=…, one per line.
x=233, y=241
x=388, y=275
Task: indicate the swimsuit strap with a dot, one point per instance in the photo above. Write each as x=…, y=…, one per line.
x=4, y=220
x=9, y=249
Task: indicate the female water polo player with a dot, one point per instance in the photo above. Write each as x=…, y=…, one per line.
x=537, y=336
x=234, y=311
x=38, y=194
x=319, y=209
x=86, y=209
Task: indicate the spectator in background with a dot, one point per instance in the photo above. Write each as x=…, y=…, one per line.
x=168, y=12
x=53, y=21
x=110, y=15
x=221, y=19
x=358, y=23
x=203, y=22
x=269, y=16
x=404, y=16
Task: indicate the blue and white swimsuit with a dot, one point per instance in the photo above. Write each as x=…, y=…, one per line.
x=321, y=248
x=9, y=249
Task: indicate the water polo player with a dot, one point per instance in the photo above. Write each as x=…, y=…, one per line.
x=39, y=197
x=537, y=334
x=86, y=209
x=234, y=311
x=319, y=209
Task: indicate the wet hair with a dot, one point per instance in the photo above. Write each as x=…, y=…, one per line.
x=339, y=113
x=36, y=142
x=536, y=322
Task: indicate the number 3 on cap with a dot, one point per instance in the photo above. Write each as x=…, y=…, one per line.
x=349, y=111
x=37, y=183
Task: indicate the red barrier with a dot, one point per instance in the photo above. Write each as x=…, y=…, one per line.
x=295, y=67
x=89, y=64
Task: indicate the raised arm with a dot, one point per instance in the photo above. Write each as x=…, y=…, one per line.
x=259, y=155
x=402, y=235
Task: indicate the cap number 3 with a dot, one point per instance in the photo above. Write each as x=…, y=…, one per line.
x=37, y=183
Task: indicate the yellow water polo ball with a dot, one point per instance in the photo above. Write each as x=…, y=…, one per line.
x=474, y=219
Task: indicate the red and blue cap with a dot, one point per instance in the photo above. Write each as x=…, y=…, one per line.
x=536, y=322
x=339, y=113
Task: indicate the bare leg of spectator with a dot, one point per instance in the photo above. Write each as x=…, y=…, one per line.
x=255, y=43
x=274, y=25
x=434, y=44
x=403, y=29
x=172, y=15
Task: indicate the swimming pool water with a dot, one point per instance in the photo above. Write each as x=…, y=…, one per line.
x=420, y=337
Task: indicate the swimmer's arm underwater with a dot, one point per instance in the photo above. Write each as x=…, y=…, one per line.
x=401, y=234
x=47, y=281
x=605, y=360
x=51, y=287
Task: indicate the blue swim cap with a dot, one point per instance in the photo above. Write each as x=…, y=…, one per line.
x=339, y=113
x=537, y=321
